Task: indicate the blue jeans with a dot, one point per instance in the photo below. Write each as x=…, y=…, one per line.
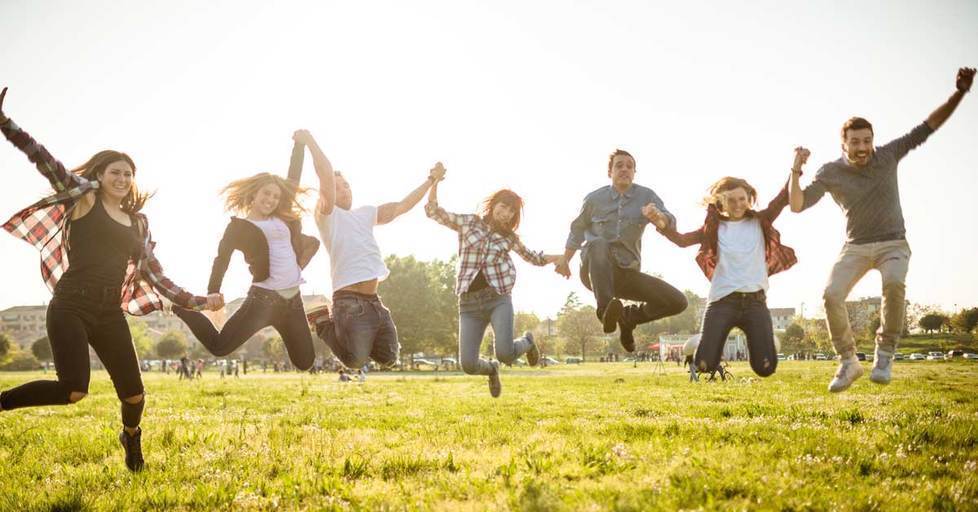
x=476, y=311
x=362, y=329
x=749, y=312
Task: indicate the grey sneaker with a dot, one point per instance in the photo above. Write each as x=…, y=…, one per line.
x=495, y=386
x=533, y=354
x=883, y=363
x=848, y=372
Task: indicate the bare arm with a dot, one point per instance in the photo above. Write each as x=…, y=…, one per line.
x=963, y=83
x=390, y=211
x=327, y=185
x=796, y=198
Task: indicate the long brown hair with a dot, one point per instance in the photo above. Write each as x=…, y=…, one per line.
x=239, y=194
x=725, y=184
x=509, y=198
x=95, y=166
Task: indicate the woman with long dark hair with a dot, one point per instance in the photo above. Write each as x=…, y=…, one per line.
x=92, y=220
x=486, y=276
x=269, y=235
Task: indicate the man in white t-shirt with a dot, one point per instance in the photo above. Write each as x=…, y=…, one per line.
x=360, y=327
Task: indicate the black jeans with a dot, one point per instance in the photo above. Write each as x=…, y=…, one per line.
x=361, y=329
x=749, y=312
x=602, y=275
x=262, y=308
x=79, y=316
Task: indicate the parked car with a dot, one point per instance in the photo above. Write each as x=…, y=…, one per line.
x=425, y=362
x=935, y=356
x=821, y=357
x=898, y=357
x=782, y=357
x=970, y=355
x=573, y=360
x=547, y=361
x=861, y=356
x=954, y=354
x=917, y=356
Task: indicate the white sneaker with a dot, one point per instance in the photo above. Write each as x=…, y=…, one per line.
x=848, y=372
x=883, y=363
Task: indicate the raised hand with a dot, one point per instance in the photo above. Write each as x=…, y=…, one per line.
x=655, y=216
x=215, y=301
x=965, y=77
x=302, y=137
x=437, y=173
x=801, y=157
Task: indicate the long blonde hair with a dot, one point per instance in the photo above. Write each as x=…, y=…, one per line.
x=725, y=184
x=95, y=166
x=239, y=194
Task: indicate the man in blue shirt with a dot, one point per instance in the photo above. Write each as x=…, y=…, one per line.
x=610, y=228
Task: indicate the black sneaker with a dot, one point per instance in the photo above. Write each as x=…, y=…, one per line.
x=495, y=386
x=533, y=354
x=134, y=449
x=612, y=312
x=626, y=332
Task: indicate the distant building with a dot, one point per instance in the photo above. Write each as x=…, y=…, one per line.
x=781, y=317
x=24, y=324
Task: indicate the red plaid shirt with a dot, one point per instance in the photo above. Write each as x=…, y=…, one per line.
x=44, y=225
x=777, y=256
x=481, y=248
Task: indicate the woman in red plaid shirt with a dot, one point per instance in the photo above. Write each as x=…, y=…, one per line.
x=486, y=277
x=94, y=219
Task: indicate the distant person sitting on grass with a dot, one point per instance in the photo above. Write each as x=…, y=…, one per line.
x=738, y=249
x=485, y=280
x=864, y=183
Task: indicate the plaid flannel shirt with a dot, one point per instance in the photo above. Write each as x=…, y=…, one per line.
x=44, y=225
x=480, y=248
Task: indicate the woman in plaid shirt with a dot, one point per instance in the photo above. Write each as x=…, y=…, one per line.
x=486, y=277
x=93, y=217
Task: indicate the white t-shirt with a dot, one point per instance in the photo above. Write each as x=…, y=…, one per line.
x=283, y=270
x=741, y=265
x=348, y=236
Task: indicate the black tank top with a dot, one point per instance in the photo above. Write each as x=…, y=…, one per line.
x=99, y=249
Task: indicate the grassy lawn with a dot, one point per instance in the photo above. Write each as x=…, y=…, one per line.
x=590, y=437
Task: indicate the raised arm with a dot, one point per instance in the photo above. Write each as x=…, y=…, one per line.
x=390, y=211
x=49, y=167
x=796, y=197
x=438, y=214
x=327, y=183
x=963, y=84
x=295, y=163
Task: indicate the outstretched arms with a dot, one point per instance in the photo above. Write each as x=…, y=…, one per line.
x=390, y=211
x=963, y=84
x=327, y=184
x=796, y=197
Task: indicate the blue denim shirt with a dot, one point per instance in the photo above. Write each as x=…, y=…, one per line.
x=618, y=219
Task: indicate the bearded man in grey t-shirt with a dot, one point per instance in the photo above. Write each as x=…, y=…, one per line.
x=864, y=184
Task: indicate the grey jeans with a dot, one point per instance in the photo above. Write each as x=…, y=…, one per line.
x=476, y=311
x=362, y=329
x=892, y=259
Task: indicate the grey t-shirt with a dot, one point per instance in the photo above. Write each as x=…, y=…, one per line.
x=869, y=196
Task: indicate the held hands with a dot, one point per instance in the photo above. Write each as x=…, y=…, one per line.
x=655, y=216
x=801, y=157
x=215, y=301
x=302, y=137
x=437, y=173
x=965, y=77
x=562, y=266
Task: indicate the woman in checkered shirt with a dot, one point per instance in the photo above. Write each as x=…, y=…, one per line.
x=486, y=276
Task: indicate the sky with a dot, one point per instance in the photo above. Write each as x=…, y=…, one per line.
x=531, y=96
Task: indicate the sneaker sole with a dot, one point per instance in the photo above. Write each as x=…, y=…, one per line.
x=612, y=312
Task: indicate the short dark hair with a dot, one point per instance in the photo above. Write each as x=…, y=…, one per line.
x=855, y=123
x=618, y=152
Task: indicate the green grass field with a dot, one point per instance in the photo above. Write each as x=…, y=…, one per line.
x=590, y=437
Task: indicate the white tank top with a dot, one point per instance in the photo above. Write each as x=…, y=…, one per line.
x=741, y=265
x=348, y=236
x=283, y=270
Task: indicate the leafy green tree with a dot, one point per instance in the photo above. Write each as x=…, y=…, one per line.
x=274, y=348
x=793, y=339
x=933, y=322
x=965, y=320
x=5, y=344
x=578, y=324
x=41, y=348
x=421, y=298
x=172, y=345
x=141, y=339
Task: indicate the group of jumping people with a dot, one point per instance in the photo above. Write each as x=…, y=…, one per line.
x=93, y=219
